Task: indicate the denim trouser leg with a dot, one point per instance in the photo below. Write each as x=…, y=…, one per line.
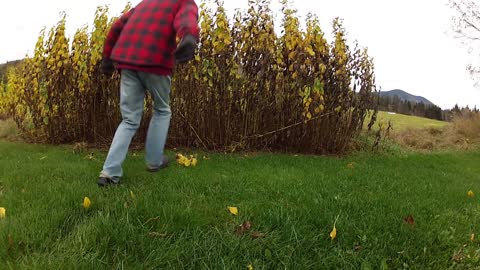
x=132, y=96
x=159, y=88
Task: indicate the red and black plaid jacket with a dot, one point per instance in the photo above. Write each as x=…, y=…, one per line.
x=144, y=38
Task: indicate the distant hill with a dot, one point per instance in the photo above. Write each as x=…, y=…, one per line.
x=404, y=96
x=399, y=101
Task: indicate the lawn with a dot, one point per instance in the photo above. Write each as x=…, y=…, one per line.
x=398, y=211
x=401, y=122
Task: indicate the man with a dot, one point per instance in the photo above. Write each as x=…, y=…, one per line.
x=143, y=43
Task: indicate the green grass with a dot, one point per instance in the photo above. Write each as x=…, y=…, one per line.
x=294, y=200
x=401, y=122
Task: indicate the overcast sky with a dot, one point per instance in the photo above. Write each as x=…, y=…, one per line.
x=408, y=39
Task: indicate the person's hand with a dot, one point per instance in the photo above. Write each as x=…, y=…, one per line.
x=107, y=67
x=186, y=49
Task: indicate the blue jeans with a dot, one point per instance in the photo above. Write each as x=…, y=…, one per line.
x=133, y=86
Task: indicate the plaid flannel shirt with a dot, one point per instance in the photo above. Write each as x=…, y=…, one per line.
x=144, y=38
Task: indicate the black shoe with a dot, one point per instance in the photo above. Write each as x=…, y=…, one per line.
x=165, y=163
x=108, y=181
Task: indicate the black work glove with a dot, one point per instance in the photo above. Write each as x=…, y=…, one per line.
x=107, y=67
x=186, y=49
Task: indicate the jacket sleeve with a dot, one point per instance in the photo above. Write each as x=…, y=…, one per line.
x=115, y=32
x=186, y=19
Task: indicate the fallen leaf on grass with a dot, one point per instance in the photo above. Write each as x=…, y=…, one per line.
x=250, y=267
x=2, y=212
x=257, y=235
x=472, y=237
x=86, y=203
x=243, y=228
x=233, y=210
x=194, y=162
x=151, y=220
x=268, y=253
x=470, y=194
x=351, y=165
x=409, y=220
x=90, y=157
x=460, y=255
x=157, y=234
x=185, y=161
x=333, y=233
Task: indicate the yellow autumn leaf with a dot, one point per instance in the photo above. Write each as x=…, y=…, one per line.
x=471, y=194
x=233, y=210
x=2, y=212
x=250, y=267
x=291, y=55
x=472, y=237
x=333, y=234
x=310, y=51
x=86, y=203
x=187, y=161
x=183, y=161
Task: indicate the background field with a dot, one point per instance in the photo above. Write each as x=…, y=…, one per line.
x=402, y=122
